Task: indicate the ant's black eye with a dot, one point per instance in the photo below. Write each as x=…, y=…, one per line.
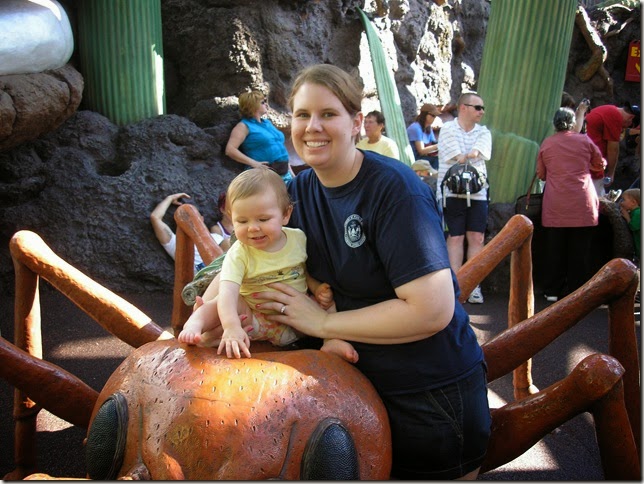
x=106, y=439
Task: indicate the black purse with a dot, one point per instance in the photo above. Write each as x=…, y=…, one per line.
x=530, y=204
x=463, y=179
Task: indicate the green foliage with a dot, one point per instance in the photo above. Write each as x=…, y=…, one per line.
x=522, y=76
x=388, y=93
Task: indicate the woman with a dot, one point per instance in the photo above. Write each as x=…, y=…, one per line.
x=374, y=126
x=220, y=232
x=354, y=206
x=254, y=141
x=421, y=135
x=570, y=208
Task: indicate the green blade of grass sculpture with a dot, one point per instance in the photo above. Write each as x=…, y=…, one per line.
x=387, y=93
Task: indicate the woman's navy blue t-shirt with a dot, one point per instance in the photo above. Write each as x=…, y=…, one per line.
x=380, y=231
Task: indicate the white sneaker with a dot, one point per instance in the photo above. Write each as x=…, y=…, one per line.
x=476, y=297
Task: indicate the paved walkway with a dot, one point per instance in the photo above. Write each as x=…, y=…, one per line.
x=73, y=341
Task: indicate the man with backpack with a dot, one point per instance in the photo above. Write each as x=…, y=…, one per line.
x=466, y=145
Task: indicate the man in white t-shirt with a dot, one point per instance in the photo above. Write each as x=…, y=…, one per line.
x=164, y=234
x=461, y=140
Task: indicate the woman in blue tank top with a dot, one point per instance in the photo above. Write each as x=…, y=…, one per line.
x=255, y=141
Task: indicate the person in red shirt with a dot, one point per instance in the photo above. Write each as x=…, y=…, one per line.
x=604, y=125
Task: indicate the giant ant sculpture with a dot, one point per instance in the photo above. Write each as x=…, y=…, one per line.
x=174, y=413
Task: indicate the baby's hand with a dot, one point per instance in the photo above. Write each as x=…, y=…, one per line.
x=236, y=342
x=324, y=295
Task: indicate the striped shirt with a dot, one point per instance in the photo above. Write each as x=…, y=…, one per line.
x=454, y=141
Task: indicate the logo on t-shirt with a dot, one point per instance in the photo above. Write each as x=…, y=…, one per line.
x=353, y=233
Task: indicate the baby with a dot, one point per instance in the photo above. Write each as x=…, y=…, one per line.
x=265, y=252
x=630, y=209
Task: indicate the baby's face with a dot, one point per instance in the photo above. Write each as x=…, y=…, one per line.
x=258, y=221
x=629, y=203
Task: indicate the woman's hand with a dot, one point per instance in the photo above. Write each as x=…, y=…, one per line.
x=294, y=309
x=261, y=165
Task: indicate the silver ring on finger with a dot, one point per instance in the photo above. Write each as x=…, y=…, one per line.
x=283, y=310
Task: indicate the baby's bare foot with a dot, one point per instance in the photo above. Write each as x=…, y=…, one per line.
x=189, y=337
x=341, y=348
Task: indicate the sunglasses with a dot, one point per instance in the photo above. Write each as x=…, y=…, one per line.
x=478, y=107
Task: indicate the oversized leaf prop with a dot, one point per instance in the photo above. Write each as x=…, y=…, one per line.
x=388, y=93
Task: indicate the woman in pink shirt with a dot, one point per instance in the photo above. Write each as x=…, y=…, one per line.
x=570, y=204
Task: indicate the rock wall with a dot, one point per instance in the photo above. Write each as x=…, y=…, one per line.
x=88, y=186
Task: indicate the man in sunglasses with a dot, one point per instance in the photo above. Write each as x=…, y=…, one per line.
x=465, y=140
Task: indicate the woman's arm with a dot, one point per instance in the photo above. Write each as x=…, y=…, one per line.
x=411, y=317
x=425, y=150
x=237, y=137
x=225, y=243
x=162, y=231
x=580, y=115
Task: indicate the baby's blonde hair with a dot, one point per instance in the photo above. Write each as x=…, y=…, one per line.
x=633, y=193
x=254, y=181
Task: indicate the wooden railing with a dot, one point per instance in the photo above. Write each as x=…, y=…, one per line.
x=606, y=385
x=22, y=363
x=514, y=239
x=191, y=231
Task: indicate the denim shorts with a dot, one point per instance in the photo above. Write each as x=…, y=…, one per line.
x=441, y=433
x=460, y=218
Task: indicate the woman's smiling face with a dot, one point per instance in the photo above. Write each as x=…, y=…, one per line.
x=322, y=129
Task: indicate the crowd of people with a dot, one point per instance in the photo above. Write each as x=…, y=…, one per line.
x=256, y=143
x=315, y=258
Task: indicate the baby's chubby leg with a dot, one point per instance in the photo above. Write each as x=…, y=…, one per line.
x=204, y=318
